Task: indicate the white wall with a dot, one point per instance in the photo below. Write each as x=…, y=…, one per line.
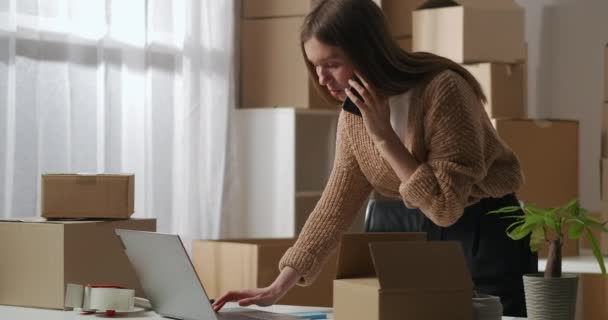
x=566, y=40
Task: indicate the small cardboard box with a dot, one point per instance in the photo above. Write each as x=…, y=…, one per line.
x=548, y=153
x=244, y=264
x=87, y=196
x=399, y=16
x=39, y=258
x=503, y=85
x=470, y=31
x=405, y=43
x=273, y=72
x=274, y=8
x=403, y=280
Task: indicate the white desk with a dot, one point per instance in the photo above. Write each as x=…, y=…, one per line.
x=584, y=263
x=17, y=313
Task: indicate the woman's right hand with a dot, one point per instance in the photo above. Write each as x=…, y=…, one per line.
x=261, y=296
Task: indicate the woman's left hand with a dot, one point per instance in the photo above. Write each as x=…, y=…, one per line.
x=374, y=109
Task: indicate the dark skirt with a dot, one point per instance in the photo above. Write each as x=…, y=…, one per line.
x=496, y=262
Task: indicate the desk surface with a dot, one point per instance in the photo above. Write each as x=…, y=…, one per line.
x=10, y=313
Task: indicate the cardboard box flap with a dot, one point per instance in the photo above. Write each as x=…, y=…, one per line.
x=26, y=219
x=421, y=265
x=86, y=174
x=47, y=221
x=354, y=260
x=493, y=4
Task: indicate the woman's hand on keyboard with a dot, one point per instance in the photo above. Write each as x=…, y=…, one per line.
x=261, y=296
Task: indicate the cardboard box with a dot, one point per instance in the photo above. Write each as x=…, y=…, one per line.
x=405, y=43
x=402, y=280
x=548, y=153
x=399, y=16
x=503, y=85
x=253, y=263
x=604, y=181
x=40, y=258
x=470, y=31
x=88, y=196
x=274, y=8
x=605, y=131
x=606, y=74
x=273, y=73
x=594, y=296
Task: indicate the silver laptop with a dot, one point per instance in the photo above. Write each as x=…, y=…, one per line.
x=170, y=283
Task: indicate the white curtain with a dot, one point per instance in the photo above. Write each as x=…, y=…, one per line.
x=141, y=86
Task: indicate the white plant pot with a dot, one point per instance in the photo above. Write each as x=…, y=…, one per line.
x=550, y=299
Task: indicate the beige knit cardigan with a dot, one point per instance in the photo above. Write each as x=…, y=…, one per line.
x=462, y=160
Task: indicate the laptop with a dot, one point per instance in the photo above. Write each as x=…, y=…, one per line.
x=170, y=282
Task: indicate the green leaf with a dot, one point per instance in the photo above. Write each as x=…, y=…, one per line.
x=596, y=251
x=570, y=205
x=537, y=239
x=514, y=225
x=591, y=222
x=552, y=223
x=532, y=210
x=513, y=217
x=576, y=229
x=505, y=210
x=583, y=213
x=521, y=231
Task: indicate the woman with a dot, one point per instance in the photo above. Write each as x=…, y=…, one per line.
x=423, y=138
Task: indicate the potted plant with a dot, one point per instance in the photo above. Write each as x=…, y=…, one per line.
x=552, y=295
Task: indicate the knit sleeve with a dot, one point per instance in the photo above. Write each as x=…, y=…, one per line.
x=341, y=201
x=442, y=184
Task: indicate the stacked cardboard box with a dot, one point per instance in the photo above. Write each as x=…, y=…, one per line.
x=399, y=17
x=273, y=72
x=105, y=196
x=290, y=149
x=40, y=257
x=471, y=31
x=280, y=185
x=487, y=38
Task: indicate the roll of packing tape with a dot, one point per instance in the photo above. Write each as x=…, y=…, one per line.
x=100, y=297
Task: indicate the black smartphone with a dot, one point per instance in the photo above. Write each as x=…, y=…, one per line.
x=350, y=106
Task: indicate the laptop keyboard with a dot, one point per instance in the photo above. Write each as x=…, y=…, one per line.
x=254, y=315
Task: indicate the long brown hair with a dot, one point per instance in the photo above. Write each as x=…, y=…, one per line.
x=359, y=28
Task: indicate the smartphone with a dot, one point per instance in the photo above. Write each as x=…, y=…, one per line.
x=350, y=106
